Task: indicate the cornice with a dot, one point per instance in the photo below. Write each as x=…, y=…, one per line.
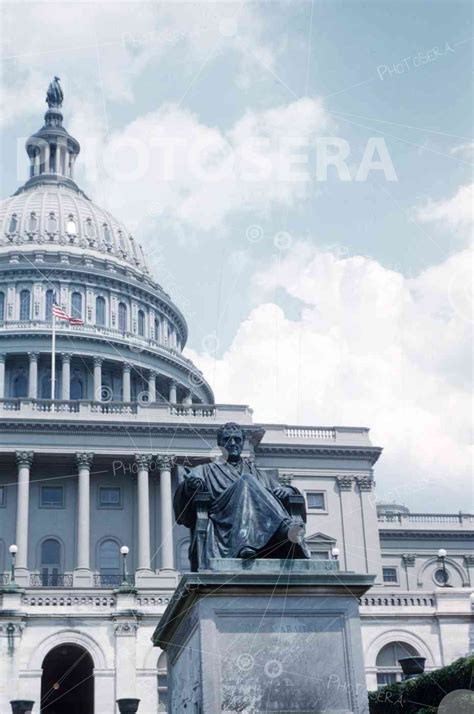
x=357, y=452
x=393, y=535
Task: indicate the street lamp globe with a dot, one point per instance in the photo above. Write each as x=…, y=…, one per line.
x=442, y=553
x=124, y=550
x=335, y=553
x=13, y=549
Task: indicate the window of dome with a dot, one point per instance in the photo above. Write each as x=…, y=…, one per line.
x=122, y=317
x=76, y=305
x=107, y=234
x=134, y=249
x=2, y=307
x=141, y=323
x=122, y=241
x=52, y=223
x=20, y=385
x=49, y=304
x=71, y=228
x=100, y=311
x=89, y=228
x=25, y=305
x=32, y=222
x=13, y=224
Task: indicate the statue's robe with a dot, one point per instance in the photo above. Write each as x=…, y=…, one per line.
x=244, y=511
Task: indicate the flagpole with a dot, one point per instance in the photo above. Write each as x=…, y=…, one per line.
x=53, y=357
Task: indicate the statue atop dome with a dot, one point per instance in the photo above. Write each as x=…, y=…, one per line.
x=54, y=95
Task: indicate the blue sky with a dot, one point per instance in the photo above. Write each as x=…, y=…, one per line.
x=392, y=343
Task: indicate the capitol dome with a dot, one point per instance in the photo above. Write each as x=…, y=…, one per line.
x=125, y=340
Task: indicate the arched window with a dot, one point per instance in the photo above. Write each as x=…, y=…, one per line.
x=141, y=323
x=25, y=305
x=388, y=668
x=162, y=667
x=122, y=317
x=48, y=313
x=157, y=329
x=20, y=385
x=109, y=562
x=12, y=228
x=89, y=228
x=100, y=311
x=50, y=562
x=2, y=307
x=76, y=305
x=77, y=388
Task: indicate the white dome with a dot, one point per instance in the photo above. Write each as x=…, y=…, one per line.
x=56, y=215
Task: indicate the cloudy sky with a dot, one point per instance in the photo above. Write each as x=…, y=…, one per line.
x=318, y=294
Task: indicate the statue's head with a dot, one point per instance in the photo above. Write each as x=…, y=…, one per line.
x=231, y=437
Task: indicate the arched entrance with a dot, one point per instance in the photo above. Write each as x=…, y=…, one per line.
x=67, y=684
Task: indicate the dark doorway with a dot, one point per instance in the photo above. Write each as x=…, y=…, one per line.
x=67, y=684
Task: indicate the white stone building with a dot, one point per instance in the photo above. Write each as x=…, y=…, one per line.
x=93, y=470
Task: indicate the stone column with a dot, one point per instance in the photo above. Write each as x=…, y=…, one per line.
x=126, y=389
x=33, y=375
x=152, y=385
x=24, y=459
x=2, y=375
x=165, y=464
x=125, y=657
x=188, y=398
x=173, y=392
x=370, y=527
x=82, y=569
x=66, y=376
x=98, y=379
x=143, y=562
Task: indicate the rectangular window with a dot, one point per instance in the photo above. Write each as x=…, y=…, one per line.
x=110, y=497
x=390, y=575
x=3, y=496
x=316, y=500
x=384, y=678
x=320, y=554
x=52, y=497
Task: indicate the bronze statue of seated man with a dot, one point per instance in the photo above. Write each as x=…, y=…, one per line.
x=248, y=507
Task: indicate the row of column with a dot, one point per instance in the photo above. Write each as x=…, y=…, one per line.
x=98, y=361
x=164, y=464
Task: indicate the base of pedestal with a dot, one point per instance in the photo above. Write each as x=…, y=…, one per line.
x=82, y=578
x=271, y=637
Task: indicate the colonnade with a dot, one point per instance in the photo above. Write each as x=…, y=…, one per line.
x=64, y=359
x=161, y=463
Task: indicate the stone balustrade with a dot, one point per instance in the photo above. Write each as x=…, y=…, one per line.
x=423, y=521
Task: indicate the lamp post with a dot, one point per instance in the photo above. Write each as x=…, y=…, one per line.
x=335, y=553
x=442, y=553
x=13, y=549
x=21, y=706
x=124, y=552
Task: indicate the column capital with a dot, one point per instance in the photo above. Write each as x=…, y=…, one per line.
x=66, y=356
x=365, y=483
x=3, y=356
x=24, y=458
x=165, y=461
x=344, y=482
x=98, y=361
x=152, y=373
x=126, y=366
x=84, y=459
x=34, y=356
x=409, y=559
x=143, y=461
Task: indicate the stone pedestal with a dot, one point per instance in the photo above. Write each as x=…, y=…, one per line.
x=265, y=636
x=22, y=706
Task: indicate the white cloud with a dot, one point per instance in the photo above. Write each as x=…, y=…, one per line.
x=371, y=348
x=457, y=212
x=173, y=166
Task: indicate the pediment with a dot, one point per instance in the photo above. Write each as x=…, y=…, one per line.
x=319, y=539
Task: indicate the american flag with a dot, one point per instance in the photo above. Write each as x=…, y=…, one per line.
x=62, y=315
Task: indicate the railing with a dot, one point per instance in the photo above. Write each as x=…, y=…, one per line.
x=43, y=580
x=4, y=579
x=297, y=432
x=112, y=581
x=162, y=410
x=427, y=518
x=398, y=600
